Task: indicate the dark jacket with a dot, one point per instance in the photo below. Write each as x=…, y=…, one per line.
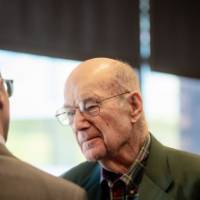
x=21, y=181
x=169, y=175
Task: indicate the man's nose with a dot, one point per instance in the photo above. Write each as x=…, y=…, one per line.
x=80, y=122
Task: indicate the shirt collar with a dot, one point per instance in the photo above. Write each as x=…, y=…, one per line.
x=142, y=155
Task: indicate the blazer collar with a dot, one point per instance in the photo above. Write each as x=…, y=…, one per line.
x=93, y=184
x=155, y=182
x=157, y=177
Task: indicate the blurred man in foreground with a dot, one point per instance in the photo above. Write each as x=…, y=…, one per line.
x=103, y=105
x=21, y=181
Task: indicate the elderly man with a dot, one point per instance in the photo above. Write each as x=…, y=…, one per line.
x=21, y=181
x=103, y=105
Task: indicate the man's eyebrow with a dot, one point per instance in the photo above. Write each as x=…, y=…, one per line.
x=84, y=101
x=89, y=96
x=94, y=98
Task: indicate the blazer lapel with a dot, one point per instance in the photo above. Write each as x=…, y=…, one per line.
x=95, y=192
x=148, y=190
x=157, y=177
x=93, y=185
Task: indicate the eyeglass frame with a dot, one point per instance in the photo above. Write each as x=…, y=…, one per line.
x=8, y=86
x=82, y=109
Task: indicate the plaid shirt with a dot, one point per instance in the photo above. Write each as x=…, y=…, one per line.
x=125, y=186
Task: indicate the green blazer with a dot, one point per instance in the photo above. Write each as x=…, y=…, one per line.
x=21, y=181
x=169, y=175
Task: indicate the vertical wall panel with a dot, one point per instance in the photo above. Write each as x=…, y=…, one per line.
x=76, y=29
x=175, y=41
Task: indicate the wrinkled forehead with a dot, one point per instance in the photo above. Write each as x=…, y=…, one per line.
x=81, y=91
x=86, y=82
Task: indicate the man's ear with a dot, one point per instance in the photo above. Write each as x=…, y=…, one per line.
x=135, y=102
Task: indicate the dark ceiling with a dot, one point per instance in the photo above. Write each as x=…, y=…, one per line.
x=109, y=28
x=175, y=37
x=71, y=29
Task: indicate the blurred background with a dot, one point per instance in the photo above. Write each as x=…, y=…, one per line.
x=41, y=41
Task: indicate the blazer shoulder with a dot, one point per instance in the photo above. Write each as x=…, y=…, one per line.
x=81, y=172
x=182, y=162
x=39, y=184
x=180, y=157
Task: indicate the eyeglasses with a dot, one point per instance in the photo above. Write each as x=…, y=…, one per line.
x=89, y=108
x=8, y=84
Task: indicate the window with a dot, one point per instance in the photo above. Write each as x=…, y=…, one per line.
x=171, y=105
x=35, y=136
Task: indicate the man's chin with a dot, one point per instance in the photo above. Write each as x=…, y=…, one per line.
x=94, y=149
x=94, y=155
